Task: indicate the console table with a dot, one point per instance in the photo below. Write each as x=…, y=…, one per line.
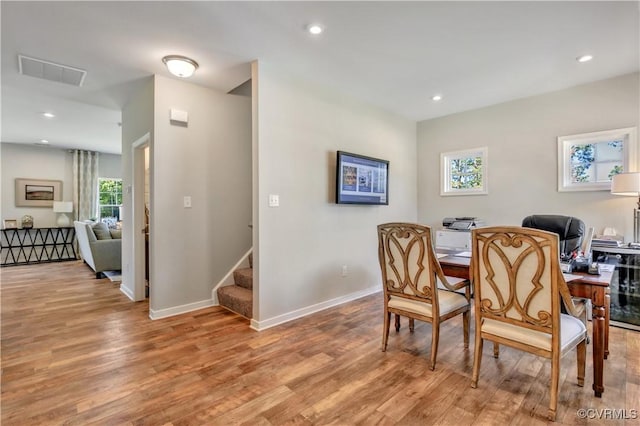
x=36, y=245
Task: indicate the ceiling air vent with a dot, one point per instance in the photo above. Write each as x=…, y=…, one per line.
x=50, y=71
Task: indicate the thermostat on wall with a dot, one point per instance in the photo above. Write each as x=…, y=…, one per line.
x=179, y=116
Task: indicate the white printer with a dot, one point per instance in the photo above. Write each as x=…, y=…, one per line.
x=456, y=233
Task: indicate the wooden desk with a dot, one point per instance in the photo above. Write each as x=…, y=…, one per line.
x=594, y=287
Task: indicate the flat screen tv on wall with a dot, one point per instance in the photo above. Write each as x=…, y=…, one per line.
x=361, y=179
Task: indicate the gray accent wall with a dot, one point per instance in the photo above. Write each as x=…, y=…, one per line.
x=209, y=160
x=523, y=156
x=137, y=121
x=26, y=161
x=301, y=246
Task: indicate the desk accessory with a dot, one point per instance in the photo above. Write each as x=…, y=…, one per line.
x=27, y=221
x=629, y=184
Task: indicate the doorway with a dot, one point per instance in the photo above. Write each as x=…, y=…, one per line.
x=141, y=209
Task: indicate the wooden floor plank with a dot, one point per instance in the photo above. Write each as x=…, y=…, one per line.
x=76, y=351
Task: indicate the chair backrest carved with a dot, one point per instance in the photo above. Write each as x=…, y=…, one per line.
x=408, y=262
x=515, y=275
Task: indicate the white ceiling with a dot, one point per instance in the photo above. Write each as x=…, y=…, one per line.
x=395, y=55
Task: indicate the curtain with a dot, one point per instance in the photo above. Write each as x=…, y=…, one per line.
x=85, y=184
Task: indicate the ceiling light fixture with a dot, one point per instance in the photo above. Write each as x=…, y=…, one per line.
x=44, y=141
x=436, y=98
x=48, y=114
x=180, y=66
x=315, y=29
x=584, y=58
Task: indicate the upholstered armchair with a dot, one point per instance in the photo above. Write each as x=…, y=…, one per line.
x=519, y=288
x=414, y=284
x=99, y=247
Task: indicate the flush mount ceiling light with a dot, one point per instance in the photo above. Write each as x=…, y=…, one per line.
x=48, y=114
x=436, y=98
x=315, y=29
x=180, y=66
x=584, y=58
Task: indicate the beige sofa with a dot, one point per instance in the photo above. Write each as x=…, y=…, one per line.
x=98, y=247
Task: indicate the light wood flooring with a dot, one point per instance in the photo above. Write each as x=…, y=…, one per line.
x=76, y=351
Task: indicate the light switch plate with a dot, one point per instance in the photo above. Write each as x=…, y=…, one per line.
x=274, y=200
x=187, y=202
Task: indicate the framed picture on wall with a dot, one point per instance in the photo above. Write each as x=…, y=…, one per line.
x=588, y=161
x=37, y=192
x=464, y=172
x=10, y=224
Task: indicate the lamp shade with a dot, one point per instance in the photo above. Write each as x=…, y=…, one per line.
x=62, y=206
x=626, y=184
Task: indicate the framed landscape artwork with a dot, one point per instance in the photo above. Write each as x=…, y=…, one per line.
x=37, y=192
x=588, y=161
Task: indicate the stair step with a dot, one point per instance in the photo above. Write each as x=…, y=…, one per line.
x=237, y=299
x=244, y=278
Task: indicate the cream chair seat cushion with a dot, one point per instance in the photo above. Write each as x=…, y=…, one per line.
x=449, y=301
x=572, y=331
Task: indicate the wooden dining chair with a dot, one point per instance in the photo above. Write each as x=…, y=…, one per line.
x=518, y=291
x=414, y=284
x=571, y=236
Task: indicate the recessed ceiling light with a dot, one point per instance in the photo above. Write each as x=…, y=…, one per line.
x=48, y=114
x=584, y=58
x=44, y=141
x=315, y=29
x=180, y=66
x=436, y=98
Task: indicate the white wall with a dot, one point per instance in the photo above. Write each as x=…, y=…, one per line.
x=25, y=161
x=110, y=166
x=210, y=161
x=137, y=121
x=522, y=139
x=300, y=247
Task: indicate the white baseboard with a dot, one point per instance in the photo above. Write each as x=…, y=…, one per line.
x=302, y=312
x=127, y=292
x=177, y=310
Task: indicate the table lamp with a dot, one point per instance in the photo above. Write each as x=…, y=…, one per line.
x=629, y=184
x=63, y=207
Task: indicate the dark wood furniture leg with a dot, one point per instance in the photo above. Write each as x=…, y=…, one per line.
x=599, y=322
x=607, y=317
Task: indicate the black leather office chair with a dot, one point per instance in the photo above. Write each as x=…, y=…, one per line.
x=570, y=229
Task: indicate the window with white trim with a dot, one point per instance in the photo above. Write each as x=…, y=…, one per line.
x=109, y=199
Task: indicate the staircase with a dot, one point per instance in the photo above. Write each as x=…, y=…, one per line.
x=239, y=297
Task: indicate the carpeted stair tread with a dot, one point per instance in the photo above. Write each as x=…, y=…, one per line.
x=237, y=299
x=244, y=278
